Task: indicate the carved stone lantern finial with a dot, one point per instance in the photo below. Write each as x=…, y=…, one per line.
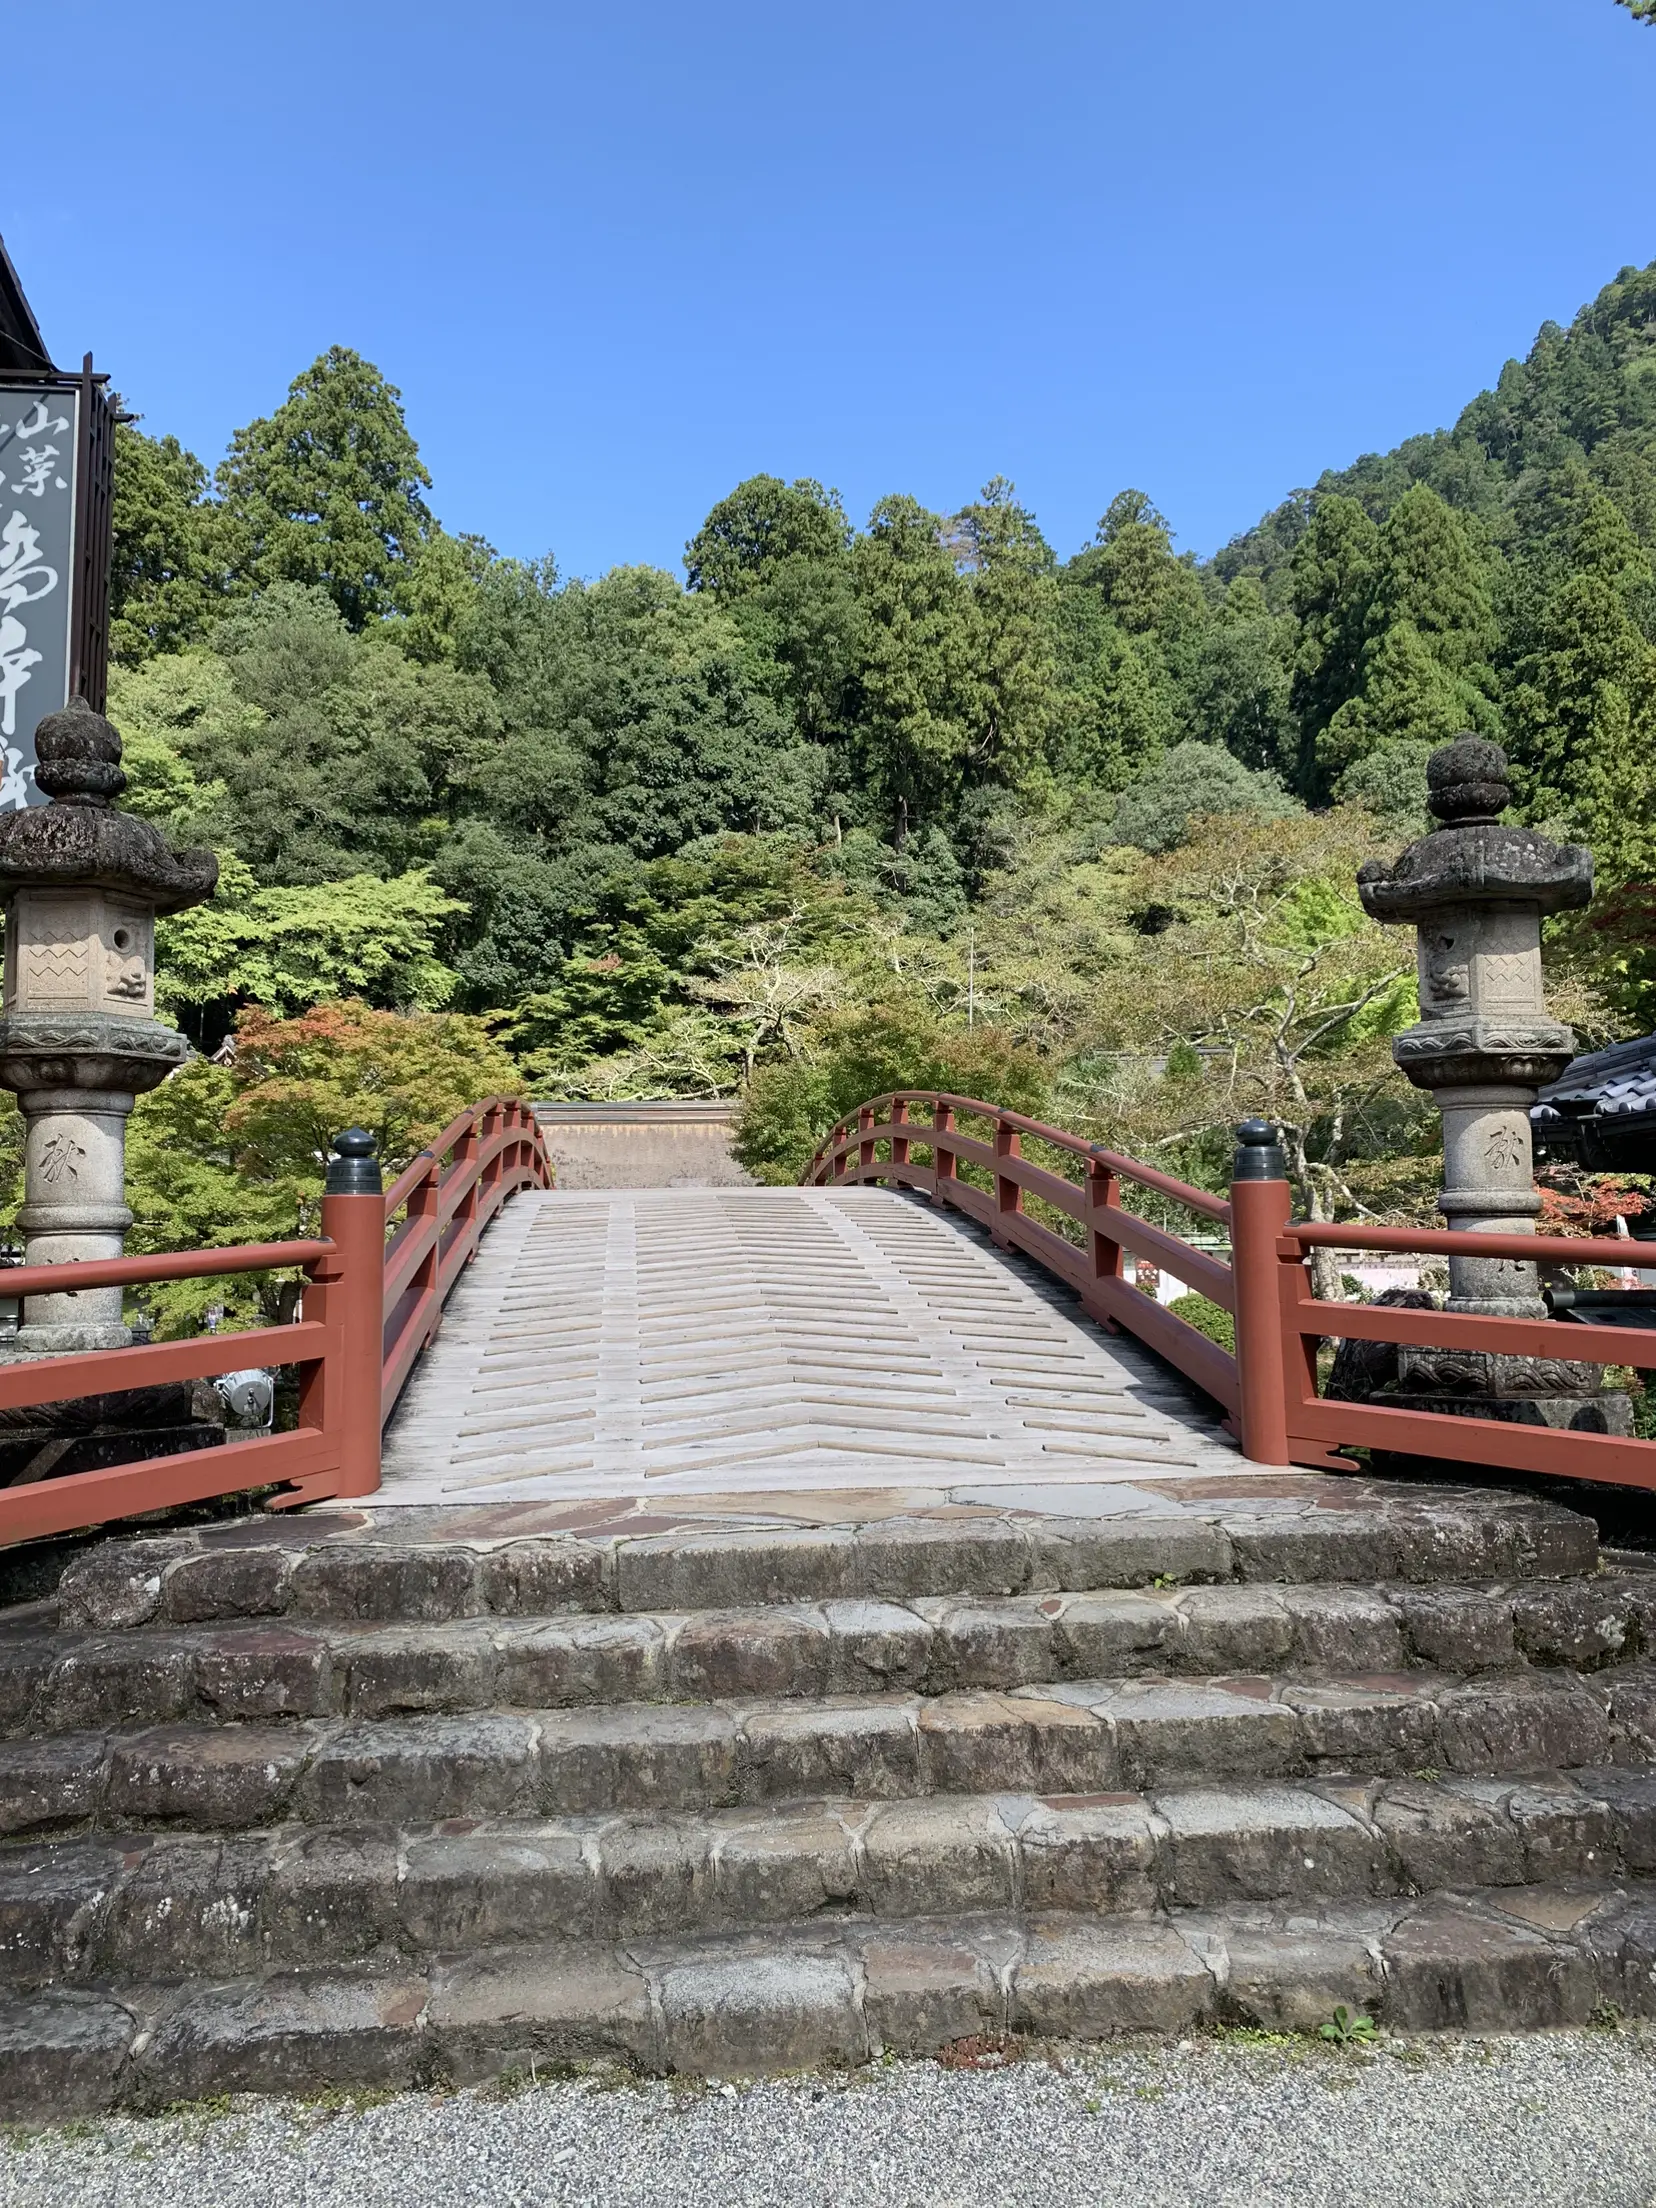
x=1476, y=892
x=79, y=1042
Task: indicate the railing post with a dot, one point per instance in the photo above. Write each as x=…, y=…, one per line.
x=353, y=1285
x=837, y=1139
x=1103, y=1195
x=465, y=1153
x=1261, y=1207
x=865, y=1148
x=423, y=1206
x=899, y=1143
x=1008, y=1194
x=945, y=1162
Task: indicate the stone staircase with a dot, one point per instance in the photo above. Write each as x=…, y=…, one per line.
x=381, y=1797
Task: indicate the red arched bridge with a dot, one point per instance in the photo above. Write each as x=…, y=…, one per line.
x=835, y=1335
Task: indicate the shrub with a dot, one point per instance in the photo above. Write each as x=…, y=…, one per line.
x=1191, y=780
x=787, y=1109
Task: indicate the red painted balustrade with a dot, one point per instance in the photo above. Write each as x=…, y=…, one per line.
x=1269, y=1387
x=371, y=1303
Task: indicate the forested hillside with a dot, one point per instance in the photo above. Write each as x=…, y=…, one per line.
x=860, y=801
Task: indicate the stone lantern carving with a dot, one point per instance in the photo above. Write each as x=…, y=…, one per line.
x=1476, y=893
x=79, y=1042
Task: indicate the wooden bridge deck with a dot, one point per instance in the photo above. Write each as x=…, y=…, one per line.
x=737, y=1341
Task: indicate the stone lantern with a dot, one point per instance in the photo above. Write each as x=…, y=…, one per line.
x=79, y=1042
x=1476, y=893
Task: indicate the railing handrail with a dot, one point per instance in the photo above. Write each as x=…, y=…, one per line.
x=845, y=1134
x=135, y=1272
x=370, y=1306
x=1532, y=1249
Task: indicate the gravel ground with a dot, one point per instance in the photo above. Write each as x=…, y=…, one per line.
x=1566, y=2119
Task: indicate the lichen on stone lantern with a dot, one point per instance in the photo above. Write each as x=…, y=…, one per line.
x=1476, y=892
x=83, y=885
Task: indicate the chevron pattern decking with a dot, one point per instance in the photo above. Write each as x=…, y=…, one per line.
x=750, y=1339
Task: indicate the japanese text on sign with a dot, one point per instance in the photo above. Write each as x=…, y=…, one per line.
x=37, y=527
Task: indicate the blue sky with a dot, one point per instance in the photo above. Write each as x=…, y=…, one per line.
x=619, y=256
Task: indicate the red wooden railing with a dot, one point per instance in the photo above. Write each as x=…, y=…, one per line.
x=369, y=1307
x=1270, y=1385
x=1094, y=1268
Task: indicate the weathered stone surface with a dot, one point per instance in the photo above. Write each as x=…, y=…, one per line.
x=53, y=1904
x=993, y=1644
x=1089, y=1853
x=580, y=1661
x=1294, y=1980
x=921, y=1993
x=51, y=1782
x=403, y=1669
x=1344, y=1629
x=286, y=2034
x=636, y=1759
x=787, y=1862
x=756, y=1652
x=929, y=1858
x=539, y=1578
x=1378, y=1727
x=408, y=1770
x=262, y=1672
x=1216, y=1729
x=1447, y=1969
x=1460, y=1628
x=876, y=1647
x=189, y=1908
x=1329, y=1545
x=1234, y=1629
x=1085, y=1552
x=1582, y=1623
x=1630, y=1796
x=118, y=1583
x=868, y=1747
x=61, y=2056
x=922, y=1556
x=210, y=1777
x=1104, y=1635
x=731, y=1571
x=467, y=1888
x=120, y=1678
x=387, y=1585
x=1257, y=1843
x=228, y=1582
x=332, y=1895
x=1632, y=1696
x=1524, y=1722
x=1566, y=1834
x=1027, y=1742
x=26, y=1668
x=506, y=2008
x=1084, y=1981
x=1444, y=1836
x=753, y=2013
x=657, y=1874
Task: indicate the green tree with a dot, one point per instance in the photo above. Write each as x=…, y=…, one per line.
x=328, y=490
x=1429, y=633
x=1583, y=708
x=1332, y=574
x=1191, y=783
x=914, y=737
x=289, y=949
x=164, y=583
x=763, y=524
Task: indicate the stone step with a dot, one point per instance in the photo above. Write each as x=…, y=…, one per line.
x=838, y=1991
x=368, y=1570
x=67, y=1681
x=189, y=1906
x=1079, y=1736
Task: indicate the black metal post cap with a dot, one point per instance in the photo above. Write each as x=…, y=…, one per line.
x=353, y=1170
x=1258, y=1153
